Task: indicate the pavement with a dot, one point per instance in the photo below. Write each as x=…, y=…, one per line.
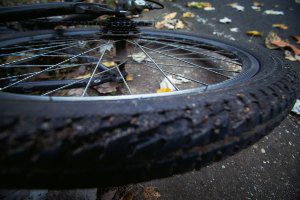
x=270, y=169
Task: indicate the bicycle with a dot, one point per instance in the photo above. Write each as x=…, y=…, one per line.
x=80, y=108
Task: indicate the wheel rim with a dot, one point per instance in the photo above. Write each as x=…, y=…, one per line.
x=190, y=53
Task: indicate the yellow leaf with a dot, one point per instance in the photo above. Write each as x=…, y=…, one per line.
x=258, y=4
x=162, y=90
x=282, y=26
x=109, y=63
x=179, y=25
x=188, y=15
x=201, y=4
x=85, y=76
x=129, y=77
x=160, y=25
x=254, y=33
x=170, y=16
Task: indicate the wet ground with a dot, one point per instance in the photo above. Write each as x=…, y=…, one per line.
x=270, y=169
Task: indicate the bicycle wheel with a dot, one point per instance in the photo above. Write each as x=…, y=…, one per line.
x=62, y=130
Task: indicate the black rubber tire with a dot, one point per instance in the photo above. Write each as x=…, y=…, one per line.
x=86, y=144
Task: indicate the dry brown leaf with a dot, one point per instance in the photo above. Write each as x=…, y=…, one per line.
x=272, y=36
x=106, y=88
x=170, y=16
x=188, y=15
x=109, y=63
x=297, y=38
x=281, y=26
x=150, y=193
x=162, y=90
x=273, y=41
x=129, y=77
x=77, y=92
x=254, y=33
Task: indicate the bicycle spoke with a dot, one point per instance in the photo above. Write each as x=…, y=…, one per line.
x=95, y=69
x=182, y=48
x=198, y=66
x=80, y=80
x=49, y=68
x=168, y=72
x=59, y=68
x=158, y=67
x=124, y=80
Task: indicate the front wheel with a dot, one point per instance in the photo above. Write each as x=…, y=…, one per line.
x=76, y=112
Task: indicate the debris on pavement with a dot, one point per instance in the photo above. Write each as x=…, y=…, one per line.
x=234, y=29
x=222, y=34
x=188, y=15
x=273, y=41
x=273, y=12
x=263, y=150
x=170, y=22
x=254, y=33
x=297, y=38
x=281, y=26
x=203, y=5
x=237, y=6
x=296, y=108
x=289, y=56
x=167, y=83
x=139, y=57
x=225, y=20
x=106, y=88
x=170, y=16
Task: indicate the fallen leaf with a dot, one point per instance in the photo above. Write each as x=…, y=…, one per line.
x=273, y=41
x=162, y=90
x=297, y=38
x=273, y=12
x=76, y=92
x=290, y=56
x=234, y=29
x=150, y=193
x=254, y=33
x=168, y=82
x=170, y=24
x=170, y=16
x=188, y=15
x=160, y=25
x=282, y=26
x=255, y=3
x=109, y=63
x=256, y=8
x=237, y=6
x=272, y=36
x=129, y=77
x=225, y=20
x=179, y=25
x=209, y=8
x=139, y=57
x=106, y=88
x=85, y=76
x=202, y=4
